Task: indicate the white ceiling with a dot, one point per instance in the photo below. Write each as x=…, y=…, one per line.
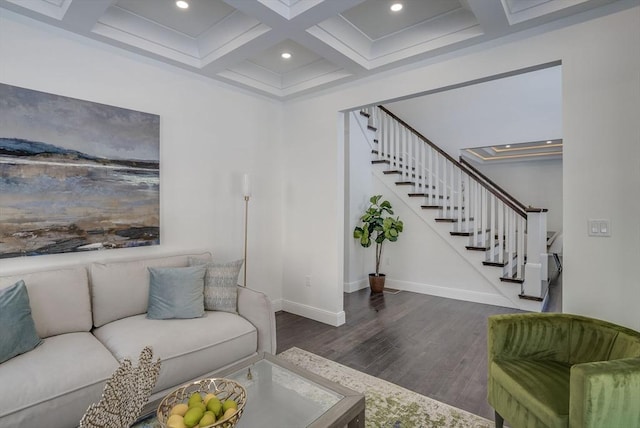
x=332, y=41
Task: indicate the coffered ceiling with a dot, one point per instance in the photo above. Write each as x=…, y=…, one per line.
x=330, y=41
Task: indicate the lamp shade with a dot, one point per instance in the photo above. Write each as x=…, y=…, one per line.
x=246, y=185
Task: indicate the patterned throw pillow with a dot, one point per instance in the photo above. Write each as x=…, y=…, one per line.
x=220, y=284
x=17, y=329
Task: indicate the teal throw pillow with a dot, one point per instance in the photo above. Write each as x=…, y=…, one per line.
x=17, y=329
x=220, y=284
x=176, y=292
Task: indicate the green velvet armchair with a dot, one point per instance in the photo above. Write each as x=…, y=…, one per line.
x=562, y=370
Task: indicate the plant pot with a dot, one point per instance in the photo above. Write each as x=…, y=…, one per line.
x=376, y=282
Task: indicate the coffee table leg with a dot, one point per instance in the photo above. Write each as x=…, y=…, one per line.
x=357, y=422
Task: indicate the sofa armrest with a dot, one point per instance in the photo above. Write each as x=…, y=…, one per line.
x=537, y=336
x=257, y=309
x=605, y=393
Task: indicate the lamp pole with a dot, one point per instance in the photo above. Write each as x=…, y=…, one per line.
x=246, y=190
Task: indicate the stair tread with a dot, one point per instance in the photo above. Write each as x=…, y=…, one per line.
x=510, y=279
x=527, y=297
x=364, y=113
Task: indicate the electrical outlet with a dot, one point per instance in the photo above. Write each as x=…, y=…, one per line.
x=307, y=280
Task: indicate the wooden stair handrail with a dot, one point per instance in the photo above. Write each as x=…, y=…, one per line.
x=491, y=190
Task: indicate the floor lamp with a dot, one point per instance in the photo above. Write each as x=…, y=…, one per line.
x=246, y=191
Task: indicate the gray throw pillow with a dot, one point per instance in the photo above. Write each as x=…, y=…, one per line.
x=17, y=329
x=220, y=284
x=176, y=292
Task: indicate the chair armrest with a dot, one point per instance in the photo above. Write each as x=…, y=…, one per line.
x=539, y=336
x=605, y=393
x=257, y=309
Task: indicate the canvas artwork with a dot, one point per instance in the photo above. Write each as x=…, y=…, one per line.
x=75, y=175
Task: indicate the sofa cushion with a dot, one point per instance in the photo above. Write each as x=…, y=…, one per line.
x=54, y=384
x=121, y=289
x=220, y=284
x=543, y=385
x=17, y=331
x=176, y=292
x=59, y=300
x=187, y=347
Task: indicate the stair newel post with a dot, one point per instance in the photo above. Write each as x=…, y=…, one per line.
x=536, y=272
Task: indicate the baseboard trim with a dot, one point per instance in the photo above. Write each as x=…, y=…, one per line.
x=332, y=318
x=450, y=293
x=350, y=287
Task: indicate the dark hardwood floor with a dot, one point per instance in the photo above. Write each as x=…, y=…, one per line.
x=431, y=345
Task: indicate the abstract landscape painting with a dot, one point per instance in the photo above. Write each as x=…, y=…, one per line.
x=75, y=175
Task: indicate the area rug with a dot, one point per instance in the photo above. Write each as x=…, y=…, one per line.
x=387, y=405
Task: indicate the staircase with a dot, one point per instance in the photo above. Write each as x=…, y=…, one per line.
x=481, y=217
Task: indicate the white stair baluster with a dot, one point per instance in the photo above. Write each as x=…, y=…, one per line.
x=492, y=225
x=459, y=203
x=501, y=232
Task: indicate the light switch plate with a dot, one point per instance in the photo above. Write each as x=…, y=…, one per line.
x=599, y=227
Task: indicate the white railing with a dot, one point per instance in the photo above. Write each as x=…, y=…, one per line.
x=492, y=221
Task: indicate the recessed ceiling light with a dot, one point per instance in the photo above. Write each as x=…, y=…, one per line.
x=182, y=4
x=396, y=7
x=508, y=145
x=549, y=142
x=285, y=55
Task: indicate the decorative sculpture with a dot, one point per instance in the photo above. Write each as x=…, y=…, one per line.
x=125, y=394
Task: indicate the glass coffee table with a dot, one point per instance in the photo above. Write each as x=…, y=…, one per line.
x=280, y=394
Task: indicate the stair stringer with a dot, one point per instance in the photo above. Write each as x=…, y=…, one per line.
x=508, y=292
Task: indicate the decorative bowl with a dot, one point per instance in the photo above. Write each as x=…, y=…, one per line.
x=224, y=389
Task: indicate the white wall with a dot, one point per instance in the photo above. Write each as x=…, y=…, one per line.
x=601, y=103
x=210, y=134
x=515, y=109
x=536, y=183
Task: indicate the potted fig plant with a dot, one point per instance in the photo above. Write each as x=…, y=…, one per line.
x=377, y=226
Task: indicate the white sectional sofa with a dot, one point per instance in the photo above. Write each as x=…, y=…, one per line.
x=91, y=317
